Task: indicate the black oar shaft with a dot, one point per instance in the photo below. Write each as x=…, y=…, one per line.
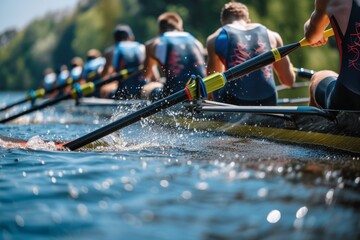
x=14, y=104
x=36, y=107
x=304, y=73
x=127, y=120
x=39, y=93
x=259, y=61
x=86, y=89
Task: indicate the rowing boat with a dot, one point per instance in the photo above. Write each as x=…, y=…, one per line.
x=338, y=130
x=299, y=125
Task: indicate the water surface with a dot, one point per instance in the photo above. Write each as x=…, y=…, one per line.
x=151, y=182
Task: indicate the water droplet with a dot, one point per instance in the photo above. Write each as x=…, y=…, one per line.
x=186, y=195
x=301, y=212
x=274, y=216
x=19, y=221
x=164, y=183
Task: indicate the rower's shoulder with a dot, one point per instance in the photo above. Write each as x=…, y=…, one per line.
x=212, y=37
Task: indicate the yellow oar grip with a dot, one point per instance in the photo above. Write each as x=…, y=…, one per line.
x=124, y=73
x=69, y=81
x=328, y=33
x=40, y=93
x=212, y=83
x=85, y=89
x=276, y=54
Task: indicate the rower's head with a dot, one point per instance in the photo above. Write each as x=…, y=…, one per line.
x=48, y=71
x=76, y=62
x=234, y=11
x=170, y=21
x=123, y=32
x=92, y=54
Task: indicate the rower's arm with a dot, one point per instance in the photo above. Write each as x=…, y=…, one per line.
x=214, y=63
x=150, y=64
x=317, y=23
x=283, y=68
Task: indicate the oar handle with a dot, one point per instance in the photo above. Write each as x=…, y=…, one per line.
x=303, y=72
x=327, y=33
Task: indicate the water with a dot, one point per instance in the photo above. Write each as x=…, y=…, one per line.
x=150, y=182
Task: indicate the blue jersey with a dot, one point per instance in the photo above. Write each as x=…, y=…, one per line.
x=234, y=46
x=62, y=77
x=180, y=57
x=129, y=54
x=76, y=73
x=90, y=71
x=49, y=81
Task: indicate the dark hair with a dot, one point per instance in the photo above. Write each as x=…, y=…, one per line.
x=122, y=32
x=234, y=11
x=170, y=21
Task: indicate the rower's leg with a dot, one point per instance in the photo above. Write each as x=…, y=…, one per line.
x=316, y=79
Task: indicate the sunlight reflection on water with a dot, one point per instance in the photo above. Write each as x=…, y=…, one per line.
x=150, y=182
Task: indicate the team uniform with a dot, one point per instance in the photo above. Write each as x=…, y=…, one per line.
x=49, y=81
x=90, y=71
x=234, y=46
x=129, y=54
x=75, y=73
x=344, y=92
x=62, y=78
x=179, y=57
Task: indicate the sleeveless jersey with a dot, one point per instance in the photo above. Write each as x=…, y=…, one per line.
x=75, y=73
x=235, y=46
x=129, y=54
x=349, y=47
x=180, y=57
x=49, y=81
x=62, y=77
x=90, y=68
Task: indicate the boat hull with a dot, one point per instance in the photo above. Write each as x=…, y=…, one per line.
x=342, y=132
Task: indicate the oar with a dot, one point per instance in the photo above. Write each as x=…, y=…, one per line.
x=77, y=91
x=304, y=110
x=303, y=72
x=212, y=83
x=39, y=93
x=300, y=72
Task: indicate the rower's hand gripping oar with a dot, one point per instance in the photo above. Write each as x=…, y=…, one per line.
x=77, y=91
x=212, y=83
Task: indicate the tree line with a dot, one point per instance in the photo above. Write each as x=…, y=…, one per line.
x=56, y=38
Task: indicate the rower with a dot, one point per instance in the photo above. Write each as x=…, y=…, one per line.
x=177, y=53
x=76, y=69
x=93, y=67
x=49, y=81
x=329, y=89
x=62, y=78
x=126, y=53
x=237, y=41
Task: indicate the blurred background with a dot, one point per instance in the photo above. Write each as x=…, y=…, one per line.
x=55, y=33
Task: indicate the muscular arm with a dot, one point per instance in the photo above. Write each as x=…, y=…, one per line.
x=316, y=24
x=214, y=64
x=283, y=68
x=150, y=64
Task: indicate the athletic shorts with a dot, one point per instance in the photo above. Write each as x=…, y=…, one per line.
x=332, y=94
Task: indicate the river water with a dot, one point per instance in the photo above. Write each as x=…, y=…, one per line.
x=150, y=182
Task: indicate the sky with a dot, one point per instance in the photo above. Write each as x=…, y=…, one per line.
x=18, y=13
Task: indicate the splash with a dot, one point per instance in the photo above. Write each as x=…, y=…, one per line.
x=37, y=143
